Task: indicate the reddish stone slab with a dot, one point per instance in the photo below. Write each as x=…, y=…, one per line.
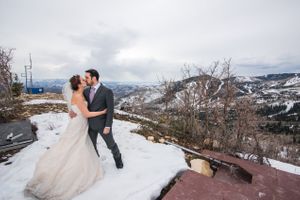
x=266, y=183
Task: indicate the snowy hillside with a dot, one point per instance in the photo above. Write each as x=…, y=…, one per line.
x=243, y=79
x=148, y=167
x=264, y=89
x=146, y=95
x=293, y=81
x=268, y=88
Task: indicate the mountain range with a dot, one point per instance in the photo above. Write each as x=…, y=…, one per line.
x=276, y=96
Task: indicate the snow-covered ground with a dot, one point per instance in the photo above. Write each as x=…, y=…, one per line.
x=293, y=81
x=276, y=91
x=289, y=105
x=284, y=166
x=148, y=167
x=145, y=95
x=292, y=90
x=276, y=164
x=121, y=112
x=219, y=88
x=44, y=101
x=243, y=79
x=248, y=87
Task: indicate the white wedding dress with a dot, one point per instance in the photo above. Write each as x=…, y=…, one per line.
x=69, y=167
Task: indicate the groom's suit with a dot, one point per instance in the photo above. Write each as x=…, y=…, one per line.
x=103, y=99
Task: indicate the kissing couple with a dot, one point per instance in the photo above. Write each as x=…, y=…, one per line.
x=72, y=165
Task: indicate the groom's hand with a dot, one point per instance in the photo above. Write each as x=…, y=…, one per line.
x=106, y=130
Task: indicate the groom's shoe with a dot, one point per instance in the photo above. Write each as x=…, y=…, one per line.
x=119, y=162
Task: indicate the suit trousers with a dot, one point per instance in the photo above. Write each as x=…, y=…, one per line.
x=108, y=139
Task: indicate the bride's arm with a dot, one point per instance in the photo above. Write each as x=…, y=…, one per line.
x=86, y=113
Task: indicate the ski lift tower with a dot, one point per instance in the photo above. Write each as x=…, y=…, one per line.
x=28, y=74
x=28, y=79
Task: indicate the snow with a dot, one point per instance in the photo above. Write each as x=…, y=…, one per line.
x=284, y=166
x=289, y=105
x=219, y=88
x=284, y=152
x=121, y=112
x=151, y=95
x=260, y=101
x=206, y=85
x=276, y=91
x=148, y=167
x=273, y=83
x=5, y=109
x=292, y=81
x=248, y=87
x=146, y=95
x=243, y=79
x=44, y=101
x=275, y=163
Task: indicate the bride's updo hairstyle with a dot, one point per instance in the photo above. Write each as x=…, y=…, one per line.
x=75, y=81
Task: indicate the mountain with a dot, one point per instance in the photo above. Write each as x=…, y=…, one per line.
x=49, y=85
x=267, y=88
x=120, y=89
x=276, y=96
x=271, y=89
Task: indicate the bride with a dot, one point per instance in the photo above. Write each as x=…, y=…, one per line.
x=70, y=166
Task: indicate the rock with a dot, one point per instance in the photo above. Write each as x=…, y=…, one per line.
x=216, y=144
x=150, y=138
x=206, y=141
x=162, y=140
x=202, y=167
x=188, y=156
x=167, y=137
x=196, y=147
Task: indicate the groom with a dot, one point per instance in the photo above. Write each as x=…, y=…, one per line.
x=100, y=97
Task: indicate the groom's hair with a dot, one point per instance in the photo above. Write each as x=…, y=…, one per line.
x=93, y=73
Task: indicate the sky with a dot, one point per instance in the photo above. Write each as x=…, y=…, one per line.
x=139, y=40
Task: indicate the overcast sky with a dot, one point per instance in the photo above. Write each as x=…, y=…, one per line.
x=139, y=40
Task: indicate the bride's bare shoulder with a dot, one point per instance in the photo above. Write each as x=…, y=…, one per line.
x=76, y=98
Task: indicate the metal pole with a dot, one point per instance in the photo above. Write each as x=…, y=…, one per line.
x=26, y=78
x=30, y=70
x=207, y=158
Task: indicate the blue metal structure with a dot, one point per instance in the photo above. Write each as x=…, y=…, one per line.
x=35, y=90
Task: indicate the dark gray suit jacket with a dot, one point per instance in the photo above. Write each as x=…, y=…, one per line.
x=104, y=98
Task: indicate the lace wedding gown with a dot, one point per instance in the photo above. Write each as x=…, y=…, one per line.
x=69, y=167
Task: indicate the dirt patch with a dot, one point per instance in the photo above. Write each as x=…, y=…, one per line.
x=18, y=111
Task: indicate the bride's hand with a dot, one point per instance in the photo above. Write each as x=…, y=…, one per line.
x=104, y=111
x=72, y=114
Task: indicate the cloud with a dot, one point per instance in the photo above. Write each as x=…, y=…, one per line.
x=262, y=66
x=138, y=41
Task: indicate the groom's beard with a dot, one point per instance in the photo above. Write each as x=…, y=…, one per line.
x=91, y=83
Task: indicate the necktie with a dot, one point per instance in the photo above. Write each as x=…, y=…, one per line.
x=92, y=94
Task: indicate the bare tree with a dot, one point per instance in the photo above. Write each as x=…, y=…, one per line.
x=188, y=104
x=6, y=79
x=140, y=100
x=207, y=89
x=17, y=86
x=227, y=102
x=167, y=91
x=6, y=82
x=208, y=109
